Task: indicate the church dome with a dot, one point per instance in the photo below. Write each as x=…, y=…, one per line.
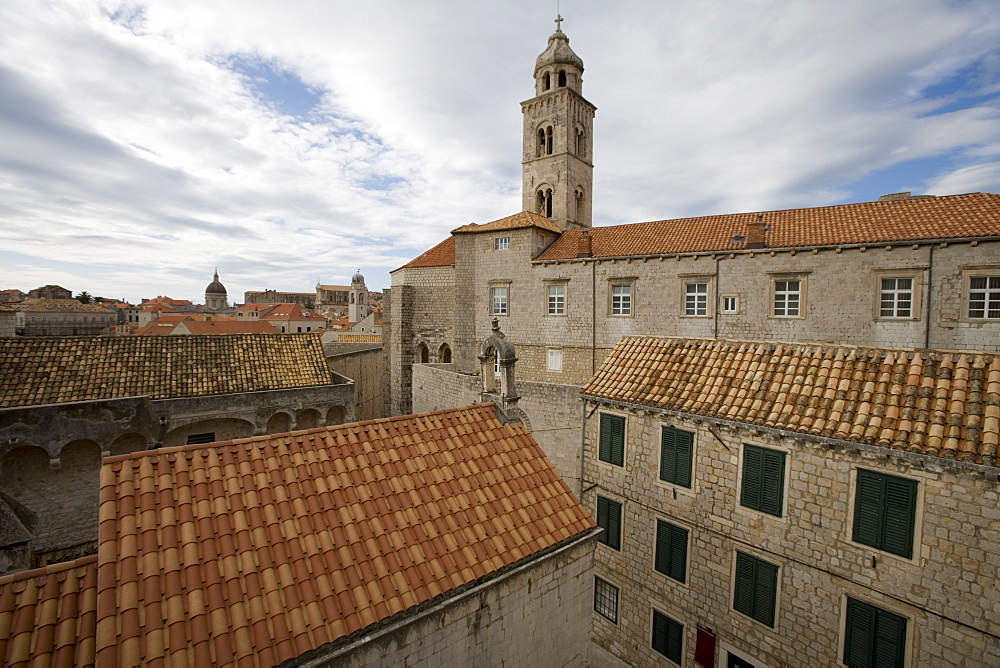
x=215, y=287
x=558, y=52
x=357, y=278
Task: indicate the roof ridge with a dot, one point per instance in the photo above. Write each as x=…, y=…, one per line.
x=50, y=569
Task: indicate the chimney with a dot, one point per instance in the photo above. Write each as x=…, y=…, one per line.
x=583, y=245
x=755, y=233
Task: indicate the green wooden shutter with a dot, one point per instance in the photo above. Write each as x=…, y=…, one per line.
x=671, y=550
x=675, y=456
x=765, y=592
x=890, y=639
x=874, y=637
x=773, y=490
x=612, y=441
x=858, y=638
x=868, y=508
x=900, y=516
x=609, y=518
x=753, y=465
x=744, y=585
x=668, y=637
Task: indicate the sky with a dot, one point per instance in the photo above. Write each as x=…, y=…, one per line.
x=144, y=144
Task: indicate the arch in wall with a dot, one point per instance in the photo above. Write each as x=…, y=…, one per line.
x=308, y=419
x=548, y=140
x=423, y=354
x=336, y=415
x=444, y=354
x=580, y=202
x=562, y=78
x=546, y=81
x=80, y=454
x=581, y=142
x=127, y=443
x=544, y=201
x=279, y=423
x=221, y=429
x=21, y=467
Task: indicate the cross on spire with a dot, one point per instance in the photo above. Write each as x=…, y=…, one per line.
x=558, y=22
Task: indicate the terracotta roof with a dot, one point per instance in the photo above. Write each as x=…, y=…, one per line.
x=442, y=255
x=940, y=403
x=974, y=215
x=56, y=305
x=48, y=616
x=290, y=312
x=334, y=288
x=228, y=327
x=256, y=307
x=255, y=551
x=56, y=370
x=359, y=338
x=158, y=308
x=515, y=222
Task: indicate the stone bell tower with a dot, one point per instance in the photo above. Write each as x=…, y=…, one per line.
x=557, y=161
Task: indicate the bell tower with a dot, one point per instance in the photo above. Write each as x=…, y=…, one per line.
x=557, y=160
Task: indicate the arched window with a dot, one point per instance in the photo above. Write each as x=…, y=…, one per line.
x=581, y=145
x=546, y=81
x=444, y=354
x=541, y=143
x=548, y=140
x=545, y=202
x=579, y=203
x=423, y=354
x=562, y=78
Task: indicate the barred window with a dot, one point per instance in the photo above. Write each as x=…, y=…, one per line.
x=606, y=600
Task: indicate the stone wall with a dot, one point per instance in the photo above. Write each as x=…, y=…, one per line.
x=947, y=591
x=535, y=615
x=365, y=368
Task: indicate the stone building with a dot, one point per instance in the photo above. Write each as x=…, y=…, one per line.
x=775, y=504
x=50, y=292
x=306, y=299
x=62, y=317
x=66, y=403
x=11, y=295
x=441, y=539
x=8, y=321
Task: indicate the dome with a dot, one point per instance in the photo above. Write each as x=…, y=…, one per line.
x=558, y=52
x=215, y=287
x=357, y=277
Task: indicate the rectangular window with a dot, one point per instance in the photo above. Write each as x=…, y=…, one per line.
x=787, y=297
x=696, y=299
x=885, y=509
x=198, y=439
x=498, y=299
x=553, y=359
x=668, y=637
x=501, y=243
x=621, y=300
x=609, y=518
x=984, y=297
x=557, y=299
x=763, y=486
x=671, y=550
x=896, y=298
x=612, y=443
x=755, y=588
x=676, y=450
x=873, y=637
x=606, y=600
x=730, y=304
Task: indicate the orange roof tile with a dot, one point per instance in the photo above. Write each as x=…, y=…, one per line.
x=54, y=370
x=48, y=616
x=515, y=222
x=290, y=312
x=442, y=255
x=257, y=550
x=928, y=401
x=973, y=215
x=228, y=327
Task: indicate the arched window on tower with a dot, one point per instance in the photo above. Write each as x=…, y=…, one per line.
x=581, y=143
x=562, y=78
x=580, y=203
x=423, y=354
x=444, y=354
x=540, y=149
x=548, y=140
x=546, y=81
x=545, y=202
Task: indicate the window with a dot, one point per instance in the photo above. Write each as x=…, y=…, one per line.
x=498, y=301
x=984, y=297
x=621, y=300
x=873, y=637
x=612, y=444
x=198, y=439
x=557, y=299
x=696, y=299
x=671, y=550
x=501, y=243
x=609, y=518
x=896, y=298
x=730, y=304
x=763, y=479
x=885, y=509
x=553, y=360
x=676, y=449
x=755, y=588
x=606, y=600
x=787, y=297
x=668, y=637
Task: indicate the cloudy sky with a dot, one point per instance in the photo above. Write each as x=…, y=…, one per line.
x=142, y=144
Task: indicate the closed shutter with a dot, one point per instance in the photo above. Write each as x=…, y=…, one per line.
x=668, y=637
x=612, y=444
x=756, y=588
x=743, y=596
x=609, y=515
x=874, y=637
x=885, y=512
x=671, y=550
x=857, y=639
x=753, y=470
x=675, y=456
x=763, y=479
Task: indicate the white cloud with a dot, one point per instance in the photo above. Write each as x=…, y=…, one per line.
x=130, y=146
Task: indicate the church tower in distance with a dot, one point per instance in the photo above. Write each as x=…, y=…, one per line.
x=558, y=168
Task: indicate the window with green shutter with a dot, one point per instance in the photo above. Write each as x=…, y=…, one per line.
x=756, y=588
x=612, y=446
x=885, y=509
x=763, y=486
x=676, y=448
x=671, y=550
x=668, y=637
x=873, y=637
x=609, y=518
